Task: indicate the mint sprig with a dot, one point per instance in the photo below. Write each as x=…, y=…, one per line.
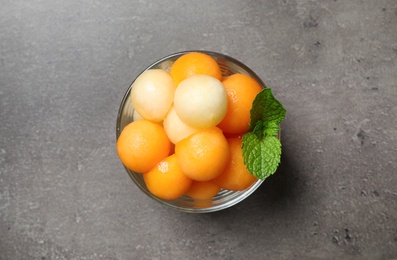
x=261, y=147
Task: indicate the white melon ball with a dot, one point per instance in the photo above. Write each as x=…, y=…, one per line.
x=152, y=94
x=176, y=129
x=201, y=101
x=136, y=116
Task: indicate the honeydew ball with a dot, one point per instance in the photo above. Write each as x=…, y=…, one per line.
x=136, y=116
x=175, y=129
x=152, y=94
x=201, y=101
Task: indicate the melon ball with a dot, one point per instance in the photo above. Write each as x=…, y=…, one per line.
x=175, y=128
x=136, y=116
x=201, y=101
x=152, y=94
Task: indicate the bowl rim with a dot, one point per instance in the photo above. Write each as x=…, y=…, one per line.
x=240, y=195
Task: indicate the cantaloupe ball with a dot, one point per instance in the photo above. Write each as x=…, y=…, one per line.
x=152, y=94
x=175, y=129
x=200, y=101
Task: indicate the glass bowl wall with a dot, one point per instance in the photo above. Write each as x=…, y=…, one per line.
x=224, y=199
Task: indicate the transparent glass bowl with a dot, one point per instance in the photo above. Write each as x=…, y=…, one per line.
x=224, y=199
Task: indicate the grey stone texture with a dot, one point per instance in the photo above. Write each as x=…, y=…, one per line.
x=64, y=68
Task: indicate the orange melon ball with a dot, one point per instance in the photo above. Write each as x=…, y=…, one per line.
x=141, y=145
x=235, y=176
x=241, y=91
x=166, y=180
x=203, y=190
x=194, y=63
x=203, y=155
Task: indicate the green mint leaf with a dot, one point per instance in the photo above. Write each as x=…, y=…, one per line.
x=271, y=129
x=258, y=129
x=261, y=156
x=266, y=108
x=261, y=147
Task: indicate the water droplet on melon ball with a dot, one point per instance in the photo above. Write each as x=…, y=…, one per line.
x=152, y=94
x=200, y=101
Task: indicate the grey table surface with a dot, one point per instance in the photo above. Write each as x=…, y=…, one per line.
x=64, y=68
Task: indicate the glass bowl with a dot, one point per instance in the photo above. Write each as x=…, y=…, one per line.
x=225, y=198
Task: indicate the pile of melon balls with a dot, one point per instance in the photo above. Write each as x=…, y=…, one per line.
x=188, y=122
